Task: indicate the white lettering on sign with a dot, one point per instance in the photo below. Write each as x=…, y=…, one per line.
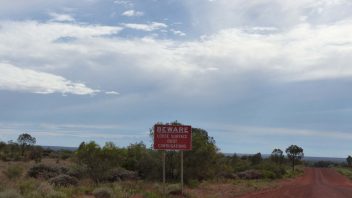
x=173, y=146
x=179, y=136
x=171, y=129
x=162, y=136
x=172, y=137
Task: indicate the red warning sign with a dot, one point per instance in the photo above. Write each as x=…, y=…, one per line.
x=172, y=137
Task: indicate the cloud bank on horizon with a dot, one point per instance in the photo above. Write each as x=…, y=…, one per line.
x=266, y=73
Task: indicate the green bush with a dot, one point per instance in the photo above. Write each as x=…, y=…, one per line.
x=103, y=192
x=10, y=194
x=241, y=165
x=267, y=174
x=77, y=171
x=63, y=180
x=46, y=171
x=13, y=172
x=120, y=174
x=271, y=170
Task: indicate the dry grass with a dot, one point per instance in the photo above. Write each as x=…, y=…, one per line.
x=136, y=189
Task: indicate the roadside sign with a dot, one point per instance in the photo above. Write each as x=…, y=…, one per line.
x=172, y=137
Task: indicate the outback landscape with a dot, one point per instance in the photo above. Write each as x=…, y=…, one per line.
x=175, y=98
x=27, y=170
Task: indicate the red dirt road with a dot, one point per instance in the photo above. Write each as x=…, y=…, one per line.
x=315, y=183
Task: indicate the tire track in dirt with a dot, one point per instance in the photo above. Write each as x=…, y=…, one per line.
x=315, y=183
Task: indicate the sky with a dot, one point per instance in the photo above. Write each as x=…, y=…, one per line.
x=257, y=75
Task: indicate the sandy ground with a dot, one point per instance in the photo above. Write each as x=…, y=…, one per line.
x=315, y=183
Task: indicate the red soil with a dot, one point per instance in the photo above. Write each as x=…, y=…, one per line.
x=315, y=183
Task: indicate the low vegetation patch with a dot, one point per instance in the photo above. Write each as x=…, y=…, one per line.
x=347, y=171
x=103, y=192
x=13, y=172
x=63, y=180
x=10, y=194
x=46, y=171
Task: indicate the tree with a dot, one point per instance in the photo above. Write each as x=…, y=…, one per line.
x=294, y=153
x=202, y=161
x=349, y=160
x=256, y=158
x=25, y=140
x=145, y=162
x=99, y=161
x=89, y=156
x=277, y=156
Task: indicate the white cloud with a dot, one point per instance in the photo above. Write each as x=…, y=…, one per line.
x=146, y=27
x=17, y=79
x=112, y=93
x=61, y=17
x=51, y=30
x=177, y=32
x=132, y=13
x=125, y=3
x=303, y=52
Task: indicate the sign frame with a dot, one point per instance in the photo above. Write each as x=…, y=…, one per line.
x=172, y=137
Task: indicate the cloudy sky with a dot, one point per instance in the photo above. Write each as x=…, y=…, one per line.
x=256, y=75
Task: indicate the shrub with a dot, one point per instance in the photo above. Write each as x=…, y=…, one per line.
x=103, y=192
x=63, y=180
x=10, y=194
x=250, y=174
x=119, y=174
x=267, y=174
x=241, y=165
x=276, y=170
x=46, y=171
x=77, y=171
x=13, y=172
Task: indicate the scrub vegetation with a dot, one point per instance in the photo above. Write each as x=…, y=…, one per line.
x=92, y=170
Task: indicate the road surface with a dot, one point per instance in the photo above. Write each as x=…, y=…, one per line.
x=315, y=183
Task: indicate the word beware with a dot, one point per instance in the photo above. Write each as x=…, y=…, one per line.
x=172, y=137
